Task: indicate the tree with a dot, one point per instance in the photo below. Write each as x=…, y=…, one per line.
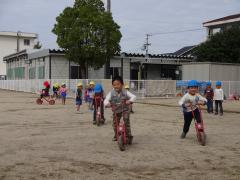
x=221, y=47
x=87, y=33
x=37, y=46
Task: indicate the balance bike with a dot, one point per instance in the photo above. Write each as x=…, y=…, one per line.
x=201, y=136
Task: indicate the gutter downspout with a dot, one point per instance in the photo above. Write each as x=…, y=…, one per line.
x=50, y=67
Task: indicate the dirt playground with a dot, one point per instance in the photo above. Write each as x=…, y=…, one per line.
x=57, y=143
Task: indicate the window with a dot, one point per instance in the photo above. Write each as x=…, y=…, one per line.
x=76, y=72
x=32, y=73
x=26, y=42
x=19, y=72
x=41, y=72
x=114, y=71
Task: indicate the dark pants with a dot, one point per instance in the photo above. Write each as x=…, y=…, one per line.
x=188, y=116
x=218, y=103
x=127, y=122
x=96, y=105
x=209, y=105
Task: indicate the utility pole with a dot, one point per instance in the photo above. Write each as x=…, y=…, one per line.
x=108, y=5
x=107, y=64
x=147, y=43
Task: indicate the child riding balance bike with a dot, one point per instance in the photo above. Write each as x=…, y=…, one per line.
x=190, y=104
x=120, y=99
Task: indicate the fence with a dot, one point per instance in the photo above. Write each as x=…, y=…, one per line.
x=143, y=89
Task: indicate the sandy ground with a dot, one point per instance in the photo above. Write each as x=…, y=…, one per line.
x=55, y=142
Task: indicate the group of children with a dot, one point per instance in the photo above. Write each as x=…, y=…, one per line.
x=57, y=91
x=94, y=96
x=216, y=95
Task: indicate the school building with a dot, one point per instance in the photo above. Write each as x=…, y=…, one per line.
x=52, y=64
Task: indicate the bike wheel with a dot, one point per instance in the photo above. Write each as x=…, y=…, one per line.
x=121, y=143
x=39, y=101
x=51, y=102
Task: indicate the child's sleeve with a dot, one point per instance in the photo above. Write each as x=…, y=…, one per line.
x=131, y=96
x=107, y=99
x=222, y=95
x=201, y=98
x=182, y=100
x=214, y=94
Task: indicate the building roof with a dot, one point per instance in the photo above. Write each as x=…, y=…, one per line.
x=223, y=20
x=34, y=53
x=21, y=34
x=156, y=56
x=17, y=54
x=183, y=51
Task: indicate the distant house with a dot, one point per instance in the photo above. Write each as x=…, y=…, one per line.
x=11, y=42
x=221, y=24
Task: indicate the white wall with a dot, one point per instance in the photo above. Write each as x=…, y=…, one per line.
x=8, y=45
x=225, y=72
x=60, y=67
x=195, y=71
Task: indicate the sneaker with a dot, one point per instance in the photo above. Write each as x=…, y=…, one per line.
x=215, y=113
x=94, y=122
x=221, y=114
x=129, y=140
x=114, y=138
x=183, y=135
x=132, y=112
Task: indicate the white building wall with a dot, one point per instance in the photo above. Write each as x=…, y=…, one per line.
x=8, y=45
x=59, y=67
x=224, y=72
x=196, y=71
x=96, y=73
x=126, y=69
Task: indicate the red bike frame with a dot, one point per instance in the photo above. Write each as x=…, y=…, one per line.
x=120, y=125
x=199, y=127
x=98, y=105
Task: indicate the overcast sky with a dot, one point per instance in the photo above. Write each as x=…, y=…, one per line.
x=162, y=18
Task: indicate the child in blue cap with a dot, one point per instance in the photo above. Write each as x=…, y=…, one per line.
x=218, y=98
x=189, y=102
x=208, y=93
x=98, y=101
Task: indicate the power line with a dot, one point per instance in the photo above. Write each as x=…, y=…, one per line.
x=170, y=32
x=173, y=32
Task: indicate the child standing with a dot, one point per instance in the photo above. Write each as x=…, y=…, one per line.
x=86, y=93
x=98, y=101
x=79, y=96
x=189, y=103
x=56, y=88
x=116, y=96
x=63, y=91
x=218, y=98
x=208, y=93
x=90, y=95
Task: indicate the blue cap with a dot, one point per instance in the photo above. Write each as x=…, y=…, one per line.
x=218, y=83
x=209, y=83
x=98, y=88
x=192, y=83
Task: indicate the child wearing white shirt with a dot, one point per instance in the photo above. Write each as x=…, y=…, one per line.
x=218, y=98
